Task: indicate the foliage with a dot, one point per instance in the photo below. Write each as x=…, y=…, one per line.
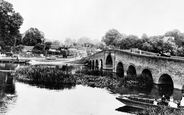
x=177, y=35
x=100, y=45
x=97, y=81
x=161, y=111
x=10, y=22
x=47, y=45
x=84, y=40
x=56, y=77
x=112, y=37
x=19, y=48
x=32, y=37
x=69, y=42
x=48, y=77
x=171, y=42
x=56, y=42
x=129, y=42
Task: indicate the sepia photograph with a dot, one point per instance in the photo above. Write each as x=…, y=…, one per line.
x=91, y=57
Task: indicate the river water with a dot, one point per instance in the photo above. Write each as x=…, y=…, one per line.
x=22, y=99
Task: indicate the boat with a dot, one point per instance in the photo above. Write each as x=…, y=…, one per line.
x=143, y=103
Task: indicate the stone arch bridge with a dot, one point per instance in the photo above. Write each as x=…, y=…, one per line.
x=163, y=70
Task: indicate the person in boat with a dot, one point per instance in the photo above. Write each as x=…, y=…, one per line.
x=172, y=103
x=182, y=102
x=155, y=102
x=163, y=100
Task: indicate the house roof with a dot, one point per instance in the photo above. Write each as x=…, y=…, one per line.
x=54, y=47
x=28, y=48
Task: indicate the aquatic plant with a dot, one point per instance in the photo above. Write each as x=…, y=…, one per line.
x=140, y=81
x=45, y=76
x=161, y=111
x=95, y=72
x=97, y=81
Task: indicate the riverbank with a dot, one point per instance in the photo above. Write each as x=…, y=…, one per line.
x=57, y=61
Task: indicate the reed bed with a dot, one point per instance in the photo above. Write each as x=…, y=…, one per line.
x=45, y=76
x=97, y=81
x=137, y=81
x=96, y=78
x=56, y=78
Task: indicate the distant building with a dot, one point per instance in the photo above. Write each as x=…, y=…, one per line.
x=28, y=49
x=166, y=39
x=54, y=49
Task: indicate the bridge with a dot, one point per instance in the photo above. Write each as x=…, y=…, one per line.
x=162, y=70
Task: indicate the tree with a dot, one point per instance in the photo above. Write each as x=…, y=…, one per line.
x=129, y=42
x=100, y=45
x=178, y=37
x=38, y=48
x=48, y=45
x=32, y=37
x=69, y=42
x=146, y=46
x=84, y=40
x=56, y=42
x=112, y=37
x=10, y=22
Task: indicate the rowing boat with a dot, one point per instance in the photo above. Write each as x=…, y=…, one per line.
x=142, y=103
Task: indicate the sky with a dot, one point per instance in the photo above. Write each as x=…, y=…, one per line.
x=61, y=19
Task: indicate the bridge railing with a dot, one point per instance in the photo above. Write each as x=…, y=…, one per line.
x=152, y=55
x=142, y=53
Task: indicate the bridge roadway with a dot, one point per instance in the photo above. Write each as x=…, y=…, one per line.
x=162, y=70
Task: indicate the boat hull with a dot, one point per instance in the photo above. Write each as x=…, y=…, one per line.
x=142, y=105
x=134, y=103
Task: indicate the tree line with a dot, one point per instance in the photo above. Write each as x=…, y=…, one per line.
x=11, y=38
x=171, y=42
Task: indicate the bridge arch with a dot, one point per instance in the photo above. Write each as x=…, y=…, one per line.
x=147, y=73
x=93, y=64
x=165, y=79
x=96, y=64
x=120, y=70
x=131, y=72
x=109, y=62
x=101, y=64
x=89, y=63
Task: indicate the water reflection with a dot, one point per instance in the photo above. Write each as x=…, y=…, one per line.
x=129, y=109
x=153, y=91
x=53, y=77
x=7, y=91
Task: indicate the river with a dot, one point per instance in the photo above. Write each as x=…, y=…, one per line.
x=22, y=99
